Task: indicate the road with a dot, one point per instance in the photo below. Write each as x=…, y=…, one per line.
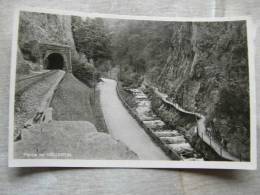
x=122, y=126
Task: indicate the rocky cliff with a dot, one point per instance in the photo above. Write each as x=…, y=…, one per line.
x=207, y=72
x=35, y=28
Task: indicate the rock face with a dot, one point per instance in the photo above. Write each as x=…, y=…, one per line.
x=35, y=28
x=207, y=72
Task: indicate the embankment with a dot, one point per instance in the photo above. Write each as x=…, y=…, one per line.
x=71, y=101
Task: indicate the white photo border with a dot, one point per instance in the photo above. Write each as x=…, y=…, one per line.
x=252, y=165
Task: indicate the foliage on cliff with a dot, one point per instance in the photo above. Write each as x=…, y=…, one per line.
x=139, y=47
x=91, y=38
x=92, y=41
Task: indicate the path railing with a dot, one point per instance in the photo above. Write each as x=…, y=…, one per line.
x=201, y=129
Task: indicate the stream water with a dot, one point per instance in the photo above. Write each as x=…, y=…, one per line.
x=171, y=137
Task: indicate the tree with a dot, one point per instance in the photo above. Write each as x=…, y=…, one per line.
x=91, y=38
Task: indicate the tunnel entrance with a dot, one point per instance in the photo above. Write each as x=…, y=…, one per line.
x=55, y=56
x=55, y=61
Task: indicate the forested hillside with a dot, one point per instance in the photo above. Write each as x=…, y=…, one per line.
x=140, y=48
x=93, y=43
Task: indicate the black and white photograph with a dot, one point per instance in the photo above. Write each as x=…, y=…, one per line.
x=100, y=90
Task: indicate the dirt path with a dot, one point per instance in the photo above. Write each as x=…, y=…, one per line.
x=123, y=127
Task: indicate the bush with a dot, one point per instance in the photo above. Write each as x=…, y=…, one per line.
x=31, y=51
x=156, y=103
x=168, y=117
x=86, y=73
x=234, y=102
x=130, y=79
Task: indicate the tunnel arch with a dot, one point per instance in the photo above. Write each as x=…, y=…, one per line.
x=55, y=56
x=54, y=61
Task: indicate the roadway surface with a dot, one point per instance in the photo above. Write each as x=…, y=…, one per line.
x=122, y=126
